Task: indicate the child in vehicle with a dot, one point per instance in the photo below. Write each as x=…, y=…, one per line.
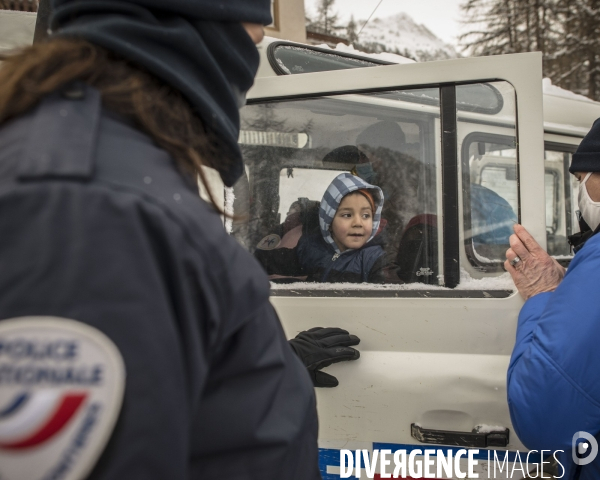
x=347, y=249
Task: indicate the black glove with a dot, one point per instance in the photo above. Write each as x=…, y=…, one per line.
x=320, y=347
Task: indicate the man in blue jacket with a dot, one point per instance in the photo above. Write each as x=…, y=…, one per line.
x=553, y=380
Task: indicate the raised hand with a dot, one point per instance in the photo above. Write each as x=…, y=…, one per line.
x=531, y=268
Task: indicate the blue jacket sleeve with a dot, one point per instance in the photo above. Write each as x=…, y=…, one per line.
x=553, y=380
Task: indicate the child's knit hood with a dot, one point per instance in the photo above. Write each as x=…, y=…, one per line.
x=341, y=186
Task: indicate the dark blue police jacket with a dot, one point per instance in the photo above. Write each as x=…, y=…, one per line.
x=99, y=226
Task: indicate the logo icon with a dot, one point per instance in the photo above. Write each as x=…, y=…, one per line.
x=269, y=242
x=61, y=389
x=585, y=448
x=31, y=419
x=424, y=272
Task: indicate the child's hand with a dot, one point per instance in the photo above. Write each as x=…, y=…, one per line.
x=320, y=347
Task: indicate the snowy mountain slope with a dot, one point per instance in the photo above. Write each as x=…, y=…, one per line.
x=402, y=35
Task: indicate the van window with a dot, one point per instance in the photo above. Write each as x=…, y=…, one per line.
x=489, y=184
x=290, y=59
x=294, y=149
x=561, y=190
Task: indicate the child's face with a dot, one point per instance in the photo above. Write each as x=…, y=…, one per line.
x=353, y=222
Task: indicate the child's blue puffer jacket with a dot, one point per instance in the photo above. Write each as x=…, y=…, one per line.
x=319, y=255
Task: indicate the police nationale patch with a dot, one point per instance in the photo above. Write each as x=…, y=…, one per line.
x=61, y=389
x=269, y=242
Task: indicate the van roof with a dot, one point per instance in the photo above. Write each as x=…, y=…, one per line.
x=565, y=112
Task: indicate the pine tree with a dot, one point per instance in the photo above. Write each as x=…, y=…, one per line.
x=327, y=19
x=509, y=26
x=567, y=32
x=351, y=33
x=576, y=63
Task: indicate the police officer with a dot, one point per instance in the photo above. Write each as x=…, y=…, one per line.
x=103, y=132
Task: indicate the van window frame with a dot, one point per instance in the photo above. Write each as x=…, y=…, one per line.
x=280, y=71
x=555, y=200
x=274, y=62
x=450, y=237
x=565, y=148
x=466, y=188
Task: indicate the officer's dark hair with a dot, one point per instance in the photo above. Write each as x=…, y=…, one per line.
x=156, y=108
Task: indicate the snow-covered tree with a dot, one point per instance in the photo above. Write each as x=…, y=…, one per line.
x=567, y=32
x=576, y=62
x=509, y=26
x=326, y=20
x=351, y=31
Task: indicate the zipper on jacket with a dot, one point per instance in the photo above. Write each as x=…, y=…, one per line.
x=333, y=259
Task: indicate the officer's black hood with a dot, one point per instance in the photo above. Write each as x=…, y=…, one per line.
x=197, y=46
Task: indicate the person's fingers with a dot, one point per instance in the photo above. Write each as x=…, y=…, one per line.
x=510, y=269
x=506, y=256
x=528, y=241
x=334, y=355
x=518, y=247
x=339, y=341
x=342, y=354
x=320, y=332
x=324, y=380
x=511, y=255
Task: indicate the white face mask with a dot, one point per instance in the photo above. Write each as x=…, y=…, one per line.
x=590, y=210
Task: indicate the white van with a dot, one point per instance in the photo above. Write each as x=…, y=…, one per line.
x=471, y=133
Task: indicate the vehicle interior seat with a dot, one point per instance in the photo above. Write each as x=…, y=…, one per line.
x=417, y=252
x=280, y=260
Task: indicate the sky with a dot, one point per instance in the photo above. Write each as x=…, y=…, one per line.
x=440, y=16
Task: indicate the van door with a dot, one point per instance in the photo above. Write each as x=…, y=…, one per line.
x=457, y=148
